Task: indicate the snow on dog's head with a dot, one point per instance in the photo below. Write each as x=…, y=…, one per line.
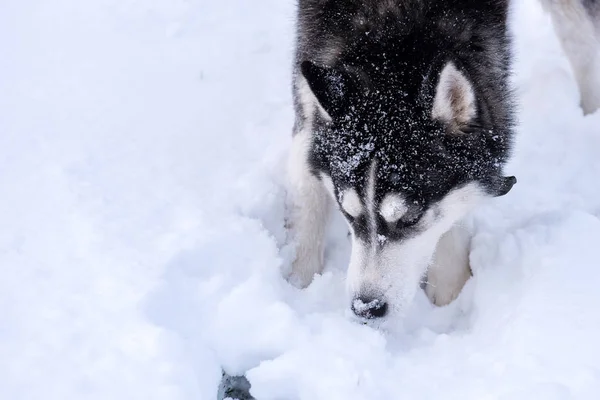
x=405, y=156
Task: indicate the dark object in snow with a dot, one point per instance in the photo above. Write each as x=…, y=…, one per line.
x=234, y=387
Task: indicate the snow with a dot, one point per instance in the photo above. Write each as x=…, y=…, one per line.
x=142, y=240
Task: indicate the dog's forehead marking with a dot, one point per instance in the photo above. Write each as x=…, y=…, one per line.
x=371, y=184
x=392, y=207
x=351, y=202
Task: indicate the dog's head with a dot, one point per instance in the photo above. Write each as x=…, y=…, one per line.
x=404, y=159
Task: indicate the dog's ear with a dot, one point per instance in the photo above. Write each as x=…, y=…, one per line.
x=503, y=185
x=331, y=87
x=455, y=102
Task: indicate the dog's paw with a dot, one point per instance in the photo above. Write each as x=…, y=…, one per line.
x=441, y=295
x=442, y=289
x=299, y=281
x=304, y=268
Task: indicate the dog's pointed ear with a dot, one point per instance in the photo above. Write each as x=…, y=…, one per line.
x=503, y=185
x=455, y=102
x=331, y=87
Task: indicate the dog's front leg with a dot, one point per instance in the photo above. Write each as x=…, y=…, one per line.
x=450, y=269
x=578, y=28
x=308, y=212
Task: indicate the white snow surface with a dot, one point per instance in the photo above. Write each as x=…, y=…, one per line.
x=142, y=237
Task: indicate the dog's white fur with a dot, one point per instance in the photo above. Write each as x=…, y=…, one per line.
x=308, y=198
x=309, y=212
x=351, y=202
x=579, y=34
x=450, y=269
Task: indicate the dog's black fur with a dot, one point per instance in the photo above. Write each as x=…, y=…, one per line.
x=374, y=66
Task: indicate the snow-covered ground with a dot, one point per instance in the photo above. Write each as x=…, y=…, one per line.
x=141, y=223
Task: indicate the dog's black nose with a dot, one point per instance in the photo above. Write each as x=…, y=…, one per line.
x=365, y=307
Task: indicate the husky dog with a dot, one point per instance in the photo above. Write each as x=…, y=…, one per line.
x=403, y=121
x=577, y=23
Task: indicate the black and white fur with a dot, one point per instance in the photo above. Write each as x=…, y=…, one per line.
x=404, y=123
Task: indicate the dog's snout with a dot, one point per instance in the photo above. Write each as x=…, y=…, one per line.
x=365, y=307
